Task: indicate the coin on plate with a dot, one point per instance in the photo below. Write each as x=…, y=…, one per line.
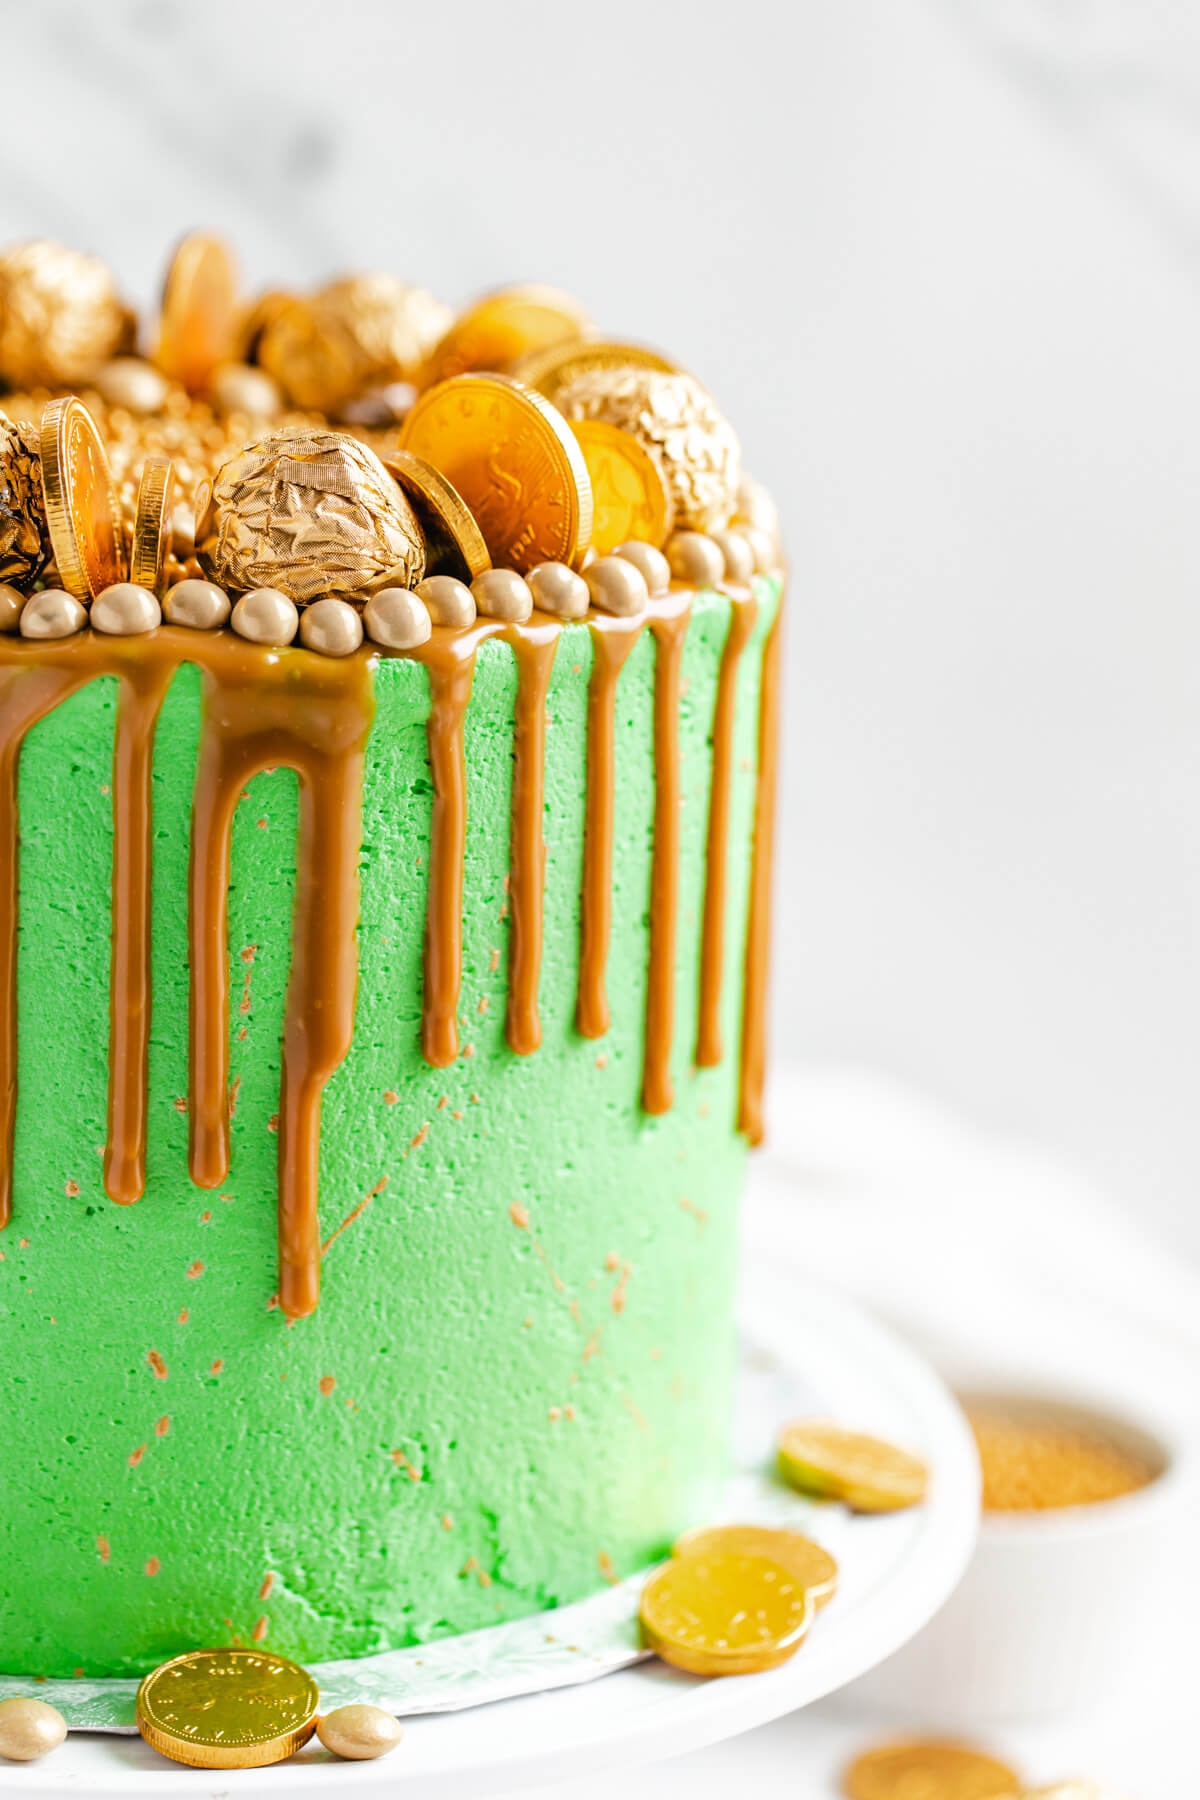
x=725, y=1614
x=502, y=328
x=866, y=1473
x=550, y=369
x=152, y=524
x=80, y=508
x=629, y=495
x=928, y=1769
x=515, y=463
x=453, y=541
x=199, y=311
x=809, y=1562
x=227, y=1709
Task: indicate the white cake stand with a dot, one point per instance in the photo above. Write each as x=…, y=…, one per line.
x=895, y=1572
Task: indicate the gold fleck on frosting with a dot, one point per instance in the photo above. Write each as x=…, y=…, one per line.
x=679, y=423
x=308, y=513
x=59, y=315
x=24, y=536
x=324, y=349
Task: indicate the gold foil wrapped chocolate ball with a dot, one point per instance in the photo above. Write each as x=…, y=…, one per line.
x=24, y=534
x=308, y=513
x=678, y=422
x=60, y=317
x=326, y=347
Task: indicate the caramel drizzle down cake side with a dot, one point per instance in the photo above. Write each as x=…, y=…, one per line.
x=311, y=714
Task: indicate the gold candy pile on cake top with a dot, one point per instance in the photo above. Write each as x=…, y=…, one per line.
x=355, y=461
x=938, y=1769
x=1029, y=1465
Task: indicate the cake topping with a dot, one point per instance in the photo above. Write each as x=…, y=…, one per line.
x=453, y=541
x=363, y=330
x=552, y=369
x=308, y=513
x=152, y=524
x=25, y=546
x=629, y=494
x=199, y=318
x=515, y=463
x=59, y=315
x=679, y=423
x=227, y=1709
x=80, y=509
x=501, y=328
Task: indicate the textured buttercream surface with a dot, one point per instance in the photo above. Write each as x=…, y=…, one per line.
x=517, y=1382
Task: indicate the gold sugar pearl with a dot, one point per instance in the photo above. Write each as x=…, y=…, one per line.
x=332, y=627
x=125, y=610
x=397, y=619
x=763, y=547
x=199, y=605
x=265, y=616
x=29, y=1729
x=449, y=600
x=739, y=557
x=655, y=569
x=52, y=613
x=616, y=586
x=503, y=594
x=695, y=558
x=11, y=602
x=359, y=1733
x=756, y=507
x=132, y=385
x=559, y=590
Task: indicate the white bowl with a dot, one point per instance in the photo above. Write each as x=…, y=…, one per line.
x=1059, y=1609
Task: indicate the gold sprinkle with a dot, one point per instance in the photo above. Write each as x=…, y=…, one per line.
x=612, y=1260
x=474, y=1099
x=216, y=1365
x=268, y=1582
x=152, y=1565
x=327, y=1384
x=260, y=1630
x=420, y=1137
x=602, y=1061
x=456, y=1114
x=102, y=1546
x=468, y=1049
x=135, y=1456
x=493, y=961
x=555, y=1413
x=443, y=1103
x=157, y=1364
x=183, y=1316
x=447, y=1522
x=483, y=1004
x=622, y=1288
x=205, y=1217
x=390, y=1096
x=195, y=1270
x=71, y=1190
x=519, y=1215
x=163, y=1426
x=273, y=1122
x=605, y=1564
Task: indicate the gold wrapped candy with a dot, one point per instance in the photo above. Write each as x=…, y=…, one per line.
x=678, y=422
x=24, y=535
x=359, y=332
x=311, y=513
x=60, y=317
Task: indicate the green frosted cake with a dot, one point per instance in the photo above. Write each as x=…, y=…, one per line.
x=383, y=1036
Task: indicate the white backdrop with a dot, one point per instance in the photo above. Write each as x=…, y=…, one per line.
x=940, y=263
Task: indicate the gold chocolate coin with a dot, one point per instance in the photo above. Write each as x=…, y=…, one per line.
x=227, y=1709
x=199, y=311
x=152, y=524
x=865, y=1473
x=809, y=1562
x=81, y=511
x=725, y=1614
x=629, y=495
x=928, y=1770
x=514, y=461
x=551, y=369
x=500, y=329
x=453, y=541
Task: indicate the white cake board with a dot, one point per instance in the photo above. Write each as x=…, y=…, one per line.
x=895, y=1573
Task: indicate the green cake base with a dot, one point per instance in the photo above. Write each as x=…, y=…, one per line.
x=517, y=1383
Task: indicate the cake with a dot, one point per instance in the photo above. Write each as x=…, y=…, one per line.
x=383, y=1031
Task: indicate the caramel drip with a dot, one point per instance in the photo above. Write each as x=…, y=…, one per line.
x=27, y=694
x=612, y=640
x=143, y=688
x=669, y=624
x=709, y=1049
x=449, y=659
x=313, y=715
x=758, y=931
x=533, y=646
x=263, y=709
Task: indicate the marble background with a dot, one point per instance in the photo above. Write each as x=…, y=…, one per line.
x=941, y=261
